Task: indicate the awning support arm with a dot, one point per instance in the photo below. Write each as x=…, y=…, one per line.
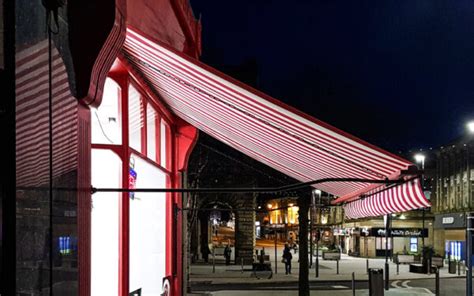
x=250, y=190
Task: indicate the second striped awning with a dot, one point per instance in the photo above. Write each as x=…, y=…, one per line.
x=400, y=198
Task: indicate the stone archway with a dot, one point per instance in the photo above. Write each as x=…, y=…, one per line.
x=242, y=207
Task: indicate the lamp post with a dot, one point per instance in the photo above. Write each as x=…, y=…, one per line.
x=469, y=229
x=316, y=267
x=420, y=158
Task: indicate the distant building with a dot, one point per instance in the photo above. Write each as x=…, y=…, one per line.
x=453, y=196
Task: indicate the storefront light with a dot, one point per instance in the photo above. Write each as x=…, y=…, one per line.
x=269, y=206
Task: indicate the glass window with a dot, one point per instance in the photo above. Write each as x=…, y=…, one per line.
x=413, y=244
x=106, y=168
x=151, y=118
x=164, y=132
x=135, y=118
x=147, y=230
x=106, y=122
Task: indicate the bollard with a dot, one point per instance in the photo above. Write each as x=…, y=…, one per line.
x=459, y=267
x=464, y=267
x=242, y=264
x=337, y=266
x=353, y=284
x=213, y=260
x=429, y=267
x=316, y=266
x=398, y=267
x=367, y=265
x=437, y=291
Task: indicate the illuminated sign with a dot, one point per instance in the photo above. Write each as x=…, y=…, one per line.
x=400, y=232
x=448, y=220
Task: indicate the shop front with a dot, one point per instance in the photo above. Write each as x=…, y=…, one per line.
x=400, y=240
x=450, y=235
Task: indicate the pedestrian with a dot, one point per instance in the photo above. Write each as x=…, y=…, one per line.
x=287, y=258
x=262, y=255
x=227, y=252
x=205, y=252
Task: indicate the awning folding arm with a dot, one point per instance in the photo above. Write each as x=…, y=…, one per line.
x=281, y=189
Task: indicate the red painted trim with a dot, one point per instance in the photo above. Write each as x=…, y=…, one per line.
x=186, y=138
x=106, y=56
x=124, y=227
x=191, y=27
x=117, y=149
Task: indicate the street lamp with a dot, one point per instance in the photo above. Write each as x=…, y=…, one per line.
x=470, y=126
x=420, y=158
x=469, y=228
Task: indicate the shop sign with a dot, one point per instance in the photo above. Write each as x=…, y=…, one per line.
x=448, y=220
x=454, y=220
x=277, y=225
x=340, y=231
x=400, y=232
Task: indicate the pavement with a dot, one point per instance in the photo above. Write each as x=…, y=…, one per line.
x=235, y=280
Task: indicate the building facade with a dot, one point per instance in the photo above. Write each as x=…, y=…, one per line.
x=453, y=196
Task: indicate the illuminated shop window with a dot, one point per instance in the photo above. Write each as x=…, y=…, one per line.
x=164, y=132
x=151, y=119
x=106, y=121
x=106, y=169
x=147, y=230
x=135, y=118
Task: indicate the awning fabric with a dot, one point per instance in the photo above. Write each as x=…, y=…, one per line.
x=400, y=198
x=264, y=128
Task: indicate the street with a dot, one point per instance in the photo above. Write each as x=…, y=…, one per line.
x=448, y=286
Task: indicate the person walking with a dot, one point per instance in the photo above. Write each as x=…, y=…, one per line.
x=205, y=252
x=262, y=256
x=287, y=258
x=227, y=252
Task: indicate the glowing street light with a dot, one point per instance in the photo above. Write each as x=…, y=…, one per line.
x=420, y=158
x=470, y=126
x=270, y=206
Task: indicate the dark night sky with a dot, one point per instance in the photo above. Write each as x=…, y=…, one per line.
x=399, y=74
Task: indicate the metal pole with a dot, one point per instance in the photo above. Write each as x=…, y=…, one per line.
x=422, y=222
x=437, y=291
x=276, y=256
x=353, y=284
x=459, y=267
x=337, y=266
x=213, y=259
x=317, y=256
x=398, y=267
x=469, y=254
x=311, y=217
x=387, y=223
x=242, y=264
x=423, y=209
x=366, y=254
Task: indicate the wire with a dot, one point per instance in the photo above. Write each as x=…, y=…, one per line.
x=102, y=129
x=50, y=120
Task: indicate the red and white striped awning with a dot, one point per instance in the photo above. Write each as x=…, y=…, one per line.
x=262, y=127
x=400, y=198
